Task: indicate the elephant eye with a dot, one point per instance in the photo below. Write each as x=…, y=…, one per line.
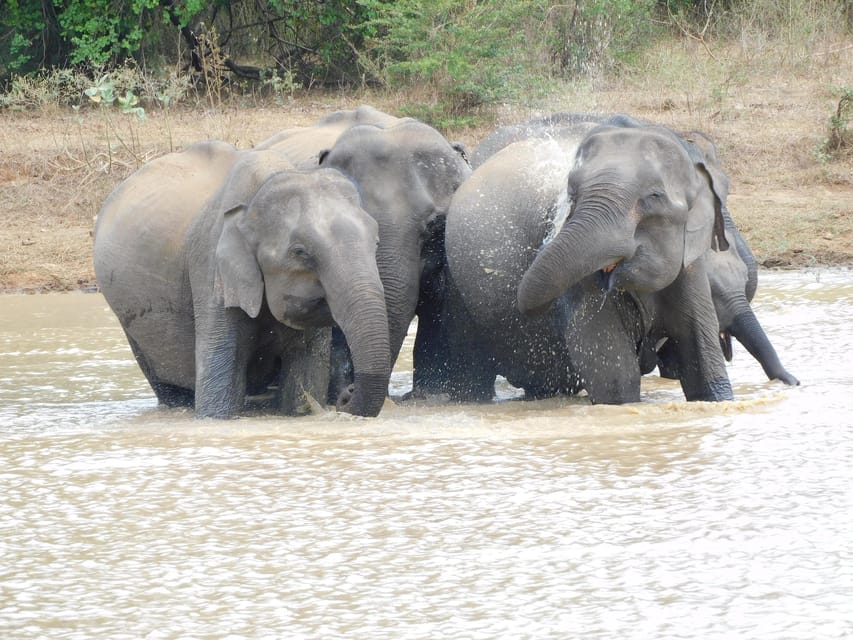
x=299, y=252
x=653, y=201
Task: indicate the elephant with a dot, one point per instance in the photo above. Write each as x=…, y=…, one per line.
x=644, y=213
x=497, y=220
x=406, y=173
x=227, y=268
x=568, y=256
x=733, y=277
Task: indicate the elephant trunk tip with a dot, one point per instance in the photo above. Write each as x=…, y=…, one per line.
x=529, y=309
x=366, y=396
x=532, y=297
x=787, y=378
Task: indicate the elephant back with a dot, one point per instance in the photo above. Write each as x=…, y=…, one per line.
x=144, y=220
x=303, y=145
x=559, y=125
x=499, y=218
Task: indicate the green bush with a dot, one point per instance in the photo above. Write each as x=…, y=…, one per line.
x=590, y=37
x=315, y=42
x=465, y=54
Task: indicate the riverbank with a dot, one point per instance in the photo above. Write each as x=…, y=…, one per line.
x=792, y=201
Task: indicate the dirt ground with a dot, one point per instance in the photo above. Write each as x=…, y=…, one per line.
x=794, y=206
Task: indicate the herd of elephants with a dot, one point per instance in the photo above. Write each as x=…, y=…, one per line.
x=570, y=253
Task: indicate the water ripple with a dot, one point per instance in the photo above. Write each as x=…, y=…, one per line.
x=551, y=519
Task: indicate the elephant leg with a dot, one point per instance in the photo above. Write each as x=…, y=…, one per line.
x=667, y=361
x=470, y=368
x=305, y=372
x=690, y=321
x=431, y=354
x=538, y=391
x=448, y=356
x=223, y=339
x=602, y=337
x=167, y=394
x=341, y=372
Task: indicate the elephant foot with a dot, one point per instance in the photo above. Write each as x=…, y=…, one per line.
x=345, y=398
x=173, y=396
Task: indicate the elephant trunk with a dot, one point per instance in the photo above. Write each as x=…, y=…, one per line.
x=400, y=280
x=746, y=328
x=360, y=313
x=595, y=238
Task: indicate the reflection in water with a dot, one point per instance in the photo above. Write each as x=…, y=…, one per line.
x=550, y=519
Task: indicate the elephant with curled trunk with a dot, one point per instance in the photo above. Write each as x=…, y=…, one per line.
x=643, y=215
x=568, y=256
x=497, y=220
x=732, y=273
x=227, y=269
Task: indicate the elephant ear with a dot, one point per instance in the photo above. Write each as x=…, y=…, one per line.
x=239, y=282
x=460, y=149
x=696, y=236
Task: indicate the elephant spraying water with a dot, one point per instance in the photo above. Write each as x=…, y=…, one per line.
x=578, y=246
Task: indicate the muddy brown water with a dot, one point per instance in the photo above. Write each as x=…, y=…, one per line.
x=551, y=519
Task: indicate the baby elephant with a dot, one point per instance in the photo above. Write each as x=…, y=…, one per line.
x=227, y=268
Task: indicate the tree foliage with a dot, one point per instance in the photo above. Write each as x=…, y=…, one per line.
x=457, y=53
x=316, y=40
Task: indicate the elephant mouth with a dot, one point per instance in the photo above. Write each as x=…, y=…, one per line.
x=607, y=276
x=300, y=314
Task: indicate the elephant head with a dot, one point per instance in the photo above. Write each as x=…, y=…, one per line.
x=406, y=175
x=304, y=246
x=303, y=144
x=641, y=212
x=728, y=274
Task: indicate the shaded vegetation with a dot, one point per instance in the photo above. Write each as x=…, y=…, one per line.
x=458, y=55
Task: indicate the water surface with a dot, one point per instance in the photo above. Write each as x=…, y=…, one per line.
x=547, y=519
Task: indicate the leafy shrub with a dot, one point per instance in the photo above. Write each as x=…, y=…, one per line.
x=588, y=37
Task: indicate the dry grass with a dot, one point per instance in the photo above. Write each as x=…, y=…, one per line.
x=768, y=115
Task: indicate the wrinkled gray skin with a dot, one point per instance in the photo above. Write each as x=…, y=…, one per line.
x=406, y=175
x=226, y=270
